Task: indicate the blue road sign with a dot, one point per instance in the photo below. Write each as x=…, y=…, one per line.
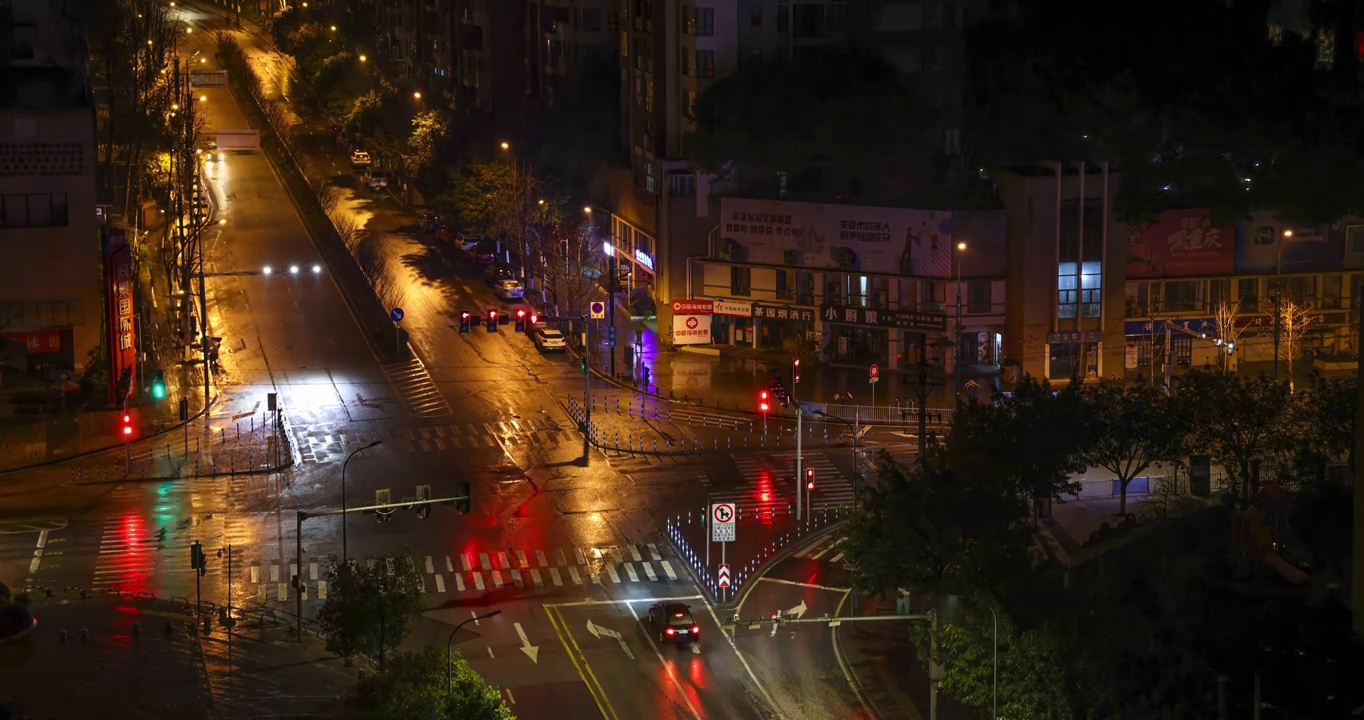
x=396, y=314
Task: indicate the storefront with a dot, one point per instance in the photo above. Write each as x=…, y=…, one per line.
x=782, y=327
x=859, y=334
x=1074, y=353
x=732, y=323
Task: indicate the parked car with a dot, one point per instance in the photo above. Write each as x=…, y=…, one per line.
x=548, y=339
x=672, y=622
x=377, y=179
x=359, y=160
x=431, y=222
x=495, y=274
x=509, y=290
x=483, y=252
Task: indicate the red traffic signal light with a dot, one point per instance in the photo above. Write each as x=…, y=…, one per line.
x=492, y=315
x=809, y=478
x=464, y=315
x=795, y=371
x=520, y=314
x=534, y=318
x=127, y=425
x=762, y=401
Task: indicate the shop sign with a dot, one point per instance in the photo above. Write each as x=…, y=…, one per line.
x=37, y=341
x=118, y=263
x=643, y=259
x=1074, y=336
x=693, y=307
x=784, y=312
x=691, y=329
x=898, y=319
x=1209, y=325
x=733, y=307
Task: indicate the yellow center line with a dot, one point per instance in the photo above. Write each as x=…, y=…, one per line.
x=594, y=686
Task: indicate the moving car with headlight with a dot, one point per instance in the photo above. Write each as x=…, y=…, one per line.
x=509, y=290
x=672, y=622
x=548, y=339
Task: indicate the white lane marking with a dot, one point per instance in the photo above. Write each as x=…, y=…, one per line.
x=634, y=553
x=511, y=699
x=668, y=569
x=483, y=560
x=836, y=558
x=478, y=581
x=497, y=579
x=779, y=581
x=449, y=565
x=38, y=553
x=322, y=590
x=440, y=584
x=826, y=550
x=540, y=556
x=653, y=552
x=559, y=557
x=554, y=576
x=735, y=648
x=611, y=570
x=430, y=567
x=459, y=582
x=649, y=570
x=573, y=575
x=535, y=578
x=669, y=667
x=630, y=570
x=312, y=571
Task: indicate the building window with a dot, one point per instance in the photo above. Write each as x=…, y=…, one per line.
x=705, y=22
x=1065, y=358
x=1184, y=296
x=33, y=210
x=649, y=177
x=686, y=20
x=682, y=184
x=1354, y=239
x=784, y=291
x=1138, y=303
x=591, y=20
x=1248, y=293
x=1300, y=289
x=1219, y=291
x=705, y=63
x=1330, y=292
x=978, y=300
x=684, y=59
x=1074, y=290
x=649, y=96
x=740, y=280
x=689, y=103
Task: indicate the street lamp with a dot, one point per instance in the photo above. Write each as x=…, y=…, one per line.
x=364, y=58
x=449, y=644
x=344, y=556
x=506, y=145
x=956, y=333
x=417, y=95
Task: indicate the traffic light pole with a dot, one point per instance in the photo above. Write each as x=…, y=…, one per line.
x=800, y=477
x=587, y=395
x=611, y=312
x=298, y=539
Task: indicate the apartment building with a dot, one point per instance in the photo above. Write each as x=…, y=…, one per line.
x=52, y=293
x=561, y=37
x=671, y=51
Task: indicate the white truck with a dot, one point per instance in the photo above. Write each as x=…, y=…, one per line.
x=238, y=140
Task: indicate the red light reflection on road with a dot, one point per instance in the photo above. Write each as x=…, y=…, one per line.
x=689, y=682
x=132, y=567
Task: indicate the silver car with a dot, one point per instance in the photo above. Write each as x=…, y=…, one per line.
x=509, y=290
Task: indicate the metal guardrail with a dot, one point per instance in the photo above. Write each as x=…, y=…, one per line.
x=897, y=413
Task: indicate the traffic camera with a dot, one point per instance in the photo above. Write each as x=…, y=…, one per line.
x=159, y=385
x=465, y=321
x=520, y=320
x=492, y=321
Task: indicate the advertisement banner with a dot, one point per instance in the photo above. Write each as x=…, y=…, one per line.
x=1262, y=248
x=691, y=329
x=843, y=237
x=735, y=308
x=693, y=307
x=1180, y=243
x=118, y=265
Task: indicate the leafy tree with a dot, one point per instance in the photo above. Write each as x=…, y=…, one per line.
x=334, y=84
x=1130, y=429
x=1219, y=117
x=415, y=689
x=571, y=258
x=369, y=606
x=1032, y=675
x=422, y=157
x=1236, y=420
x=1325, y=419
x=934, y=528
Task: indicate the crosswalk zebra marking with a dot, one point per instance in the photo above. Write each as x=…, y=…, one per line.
x=516, y=578
x=668, y=569
x=478, y=581
x=535, y=578
x=554, y=577
x=430, y=567
x=459, y=582
x=649, y=570
x=559, y=557
x=440, y=584
x=630, y=570
x=483, y=560
x=497, y=579
x=540, y=557
x=634, y=553
x=573, y=575
x=449, y=566
x=520, y=559
x=653, y=552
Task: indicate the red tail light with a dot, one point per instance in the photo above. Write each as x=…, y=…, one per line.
x=669, y=631
x=695, y=630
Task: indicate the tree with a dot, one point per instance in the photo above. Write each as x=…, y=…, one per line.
x=1228, y=328
x=572, y=258
x=422, y=157
x=415, y=689
x=369, y=606
x=1235, y=420
x=1032, y=668
x=1294, y=320
x=1325, y=418
x=1130, y=429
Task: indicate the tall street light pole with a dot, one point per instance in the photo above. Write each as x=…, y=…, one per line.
x=956, y=334
x=1278, y=294
x=449, y=651
x=345, y=558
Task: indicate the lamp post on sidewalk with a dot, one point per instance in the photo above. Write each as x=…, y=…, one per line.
x=449, y=645
x=956, y=332
x=344, y=557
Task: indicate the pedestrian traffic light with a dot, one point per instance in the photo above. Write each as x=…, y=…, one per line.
x=534, y=319
x=197, y=560
x=809, y=478
x=582, y=366
x=159, y=385
x=125, y=383
x=520, y=320
x=423, y=493
x=763, y=405
x=492, y=321
x=795, y=371
x=127, y=430
x=465, y=321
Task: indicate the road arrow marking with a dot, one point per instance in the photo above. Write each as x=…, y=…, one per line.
x=531, y=651
x=797, y=611
x=600, y=632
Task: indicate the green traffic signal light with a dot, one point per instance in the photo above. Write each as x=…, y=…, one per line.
x=159, y=385
x=582, y=367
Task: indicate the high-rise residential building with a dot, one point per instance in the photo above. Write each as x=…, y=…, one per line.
x=51, y=294
x=562, y=36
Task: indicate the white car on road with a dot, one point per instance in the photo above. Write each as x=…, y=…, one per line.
x=509, y=290
x=548, y=338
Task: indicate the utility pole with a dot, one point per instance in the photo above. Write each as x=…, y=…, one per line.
x=587, y=394
x=611, y=310
x=922, y=388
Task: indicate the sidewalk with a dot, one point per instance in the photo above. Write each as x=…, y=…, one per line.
x=126, y=657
